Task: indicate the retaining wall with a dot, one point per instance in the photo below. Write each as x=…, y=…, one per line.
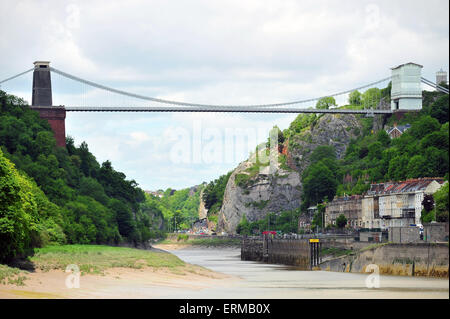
x=277, y=251
x=427, y=259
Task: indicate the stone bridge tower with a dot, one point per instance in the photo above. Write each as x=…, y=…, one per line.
x=42, y=102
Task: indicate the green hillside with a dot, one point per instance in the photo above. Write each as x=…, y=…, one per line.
x=62, y=195
x=421, y=151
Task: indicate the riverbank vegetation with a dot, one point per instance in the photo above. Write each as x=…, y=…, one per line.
x=97, y=258
x=179, y=208
x=185, y=240
x=90, y=259
x=56, y=195
x=12, y=276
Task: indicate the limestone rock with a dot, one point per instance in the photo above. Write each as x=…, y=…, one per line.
x=280, y=189
x=202, y=211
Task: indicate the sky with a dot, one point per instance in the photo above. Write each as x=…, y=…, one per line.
x=229, y=52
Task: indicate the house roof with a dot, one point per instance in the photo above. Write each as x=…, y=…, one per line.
x=347, y=198
x=400, y=128
x=408, y=186
x=398, y=66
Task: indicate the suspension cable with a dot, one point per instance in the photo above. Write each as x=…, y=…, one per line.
x=16, y=76
x=142, y=97
x=436, y=86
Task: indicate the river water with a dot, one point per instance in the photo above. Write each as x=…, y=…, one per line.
x=260, y=280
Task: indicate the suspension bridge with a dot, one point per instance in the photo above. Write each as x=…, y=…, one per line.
x=89, y=96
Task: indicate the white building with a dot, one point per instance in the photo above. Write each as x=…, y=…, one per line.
x=396, y=204
x=406, y=91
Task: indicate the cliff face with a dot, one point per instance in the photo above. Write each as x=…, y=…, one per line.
x=280, y=189
x=333, y=130
x=267, y=192
x=202, y=211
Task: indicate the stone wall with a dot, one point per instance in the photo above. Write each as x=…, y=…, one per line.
x=289, y=252
x=252, y=249
x=402, y=259
x=371, y=236
x=277, y=251
x=404, y=234
x=435, y=232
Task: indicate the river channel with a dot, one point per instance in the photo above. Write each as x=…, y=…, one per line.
x=260, y=280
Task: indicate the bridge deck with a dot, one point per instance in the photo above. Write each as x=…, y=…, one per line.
x=221, y=110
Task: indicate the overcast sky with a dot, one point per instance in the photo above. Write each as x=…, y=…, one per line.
x=250, y=51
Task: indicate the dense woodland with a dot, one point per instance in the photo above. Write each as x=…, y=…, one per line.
x=50, y=194
x=179, y=207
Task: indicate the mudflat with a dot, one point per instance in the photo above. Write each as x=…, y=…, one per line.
x=108, y=272
x=218, y=273
x=123, y=283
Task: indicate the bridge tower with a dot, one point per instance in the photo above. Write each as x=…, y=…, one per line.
x=42, y=102
x=406, y=91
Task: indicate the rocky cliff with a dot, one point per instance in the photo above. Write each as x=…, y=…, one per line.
x=256, y=194
x=202, y=210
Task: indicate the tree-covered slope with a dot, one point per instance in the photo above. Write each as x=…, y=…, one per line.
x=93, y=202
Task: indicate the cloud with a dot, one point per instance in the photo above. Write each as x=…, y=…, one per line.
x=233, y=52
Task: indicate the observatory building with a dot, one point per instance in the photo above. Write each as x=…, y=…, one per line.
x=406, y=91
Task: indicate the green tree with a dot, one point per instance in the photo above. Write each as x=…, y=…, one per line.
x=442, y=203
x=325, y=103
x=318, y=182
x=383, y=138
x=416, y=166
x=440, y=109
x=124, y=217
x=301, y=122
x=423, y=126
x=341, y=221
x=243, y=227
x=371, y=98
x=213, y=193
x=398, y=168
x=321, y=152
x=354, y=98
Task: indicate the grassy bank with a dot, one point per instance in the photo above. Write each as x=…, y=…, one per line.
x=12, y=276
x=207, y=242
x=94, y=259
x=97, y=258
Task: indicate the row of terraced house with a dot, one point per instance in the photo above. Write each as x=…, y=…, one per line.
x=384, y=205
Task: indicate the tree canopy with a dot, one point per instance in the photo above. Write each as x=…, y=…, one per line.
x=326, y=102
x=61, y=195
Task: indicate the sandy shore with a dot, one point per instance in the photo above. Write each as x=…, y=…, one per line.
x=120, y=283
